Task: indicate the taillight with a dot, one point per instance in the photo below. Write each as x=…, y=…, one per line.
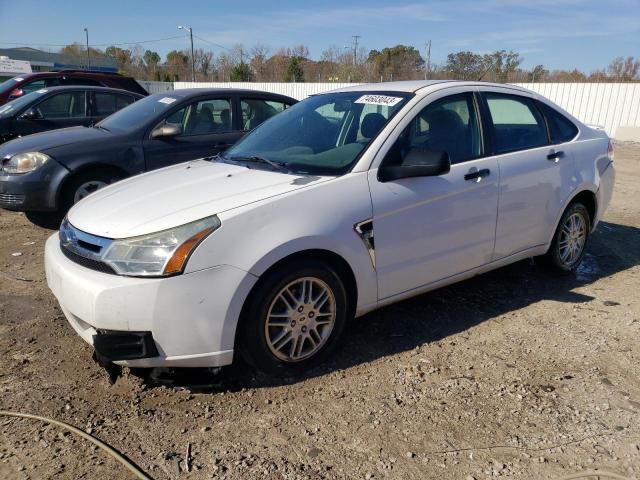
x=16, y=93
x=610, y=151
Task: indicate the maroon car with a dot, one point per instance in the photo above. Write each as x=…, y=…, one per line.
x=22, y=84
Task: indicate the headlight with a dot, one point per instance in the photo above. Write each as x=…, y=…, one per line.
x=25, y=162
x=158, y=254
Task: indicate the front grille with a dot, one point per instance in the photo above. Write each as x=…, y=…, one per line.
x=11, y=199
x=87, y=262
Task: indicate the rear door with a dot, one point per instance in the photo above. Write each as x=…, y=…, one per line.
x=103, y=104
x=535, y=175
x=208, y=127
x=64, y=109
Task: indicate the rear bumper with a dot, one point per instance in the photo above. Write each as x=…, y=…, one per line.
x=191, y=319
x=605, y=191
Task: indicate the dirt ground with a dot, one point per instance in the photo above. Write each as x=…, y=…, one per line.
x=513, y=374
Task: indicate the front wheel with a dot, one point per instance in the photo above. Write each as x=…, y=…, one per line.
x=294, y=318
x=570, y=240
x=82, y=185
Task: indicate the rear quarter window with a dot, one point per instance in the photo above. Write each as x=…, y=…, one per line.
x=561, y=129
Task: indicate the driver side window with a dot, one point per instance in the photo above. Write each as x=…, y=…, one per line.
x=448, y=125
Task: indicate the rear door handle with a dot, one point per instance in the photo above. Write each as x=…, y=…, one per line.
x=555, y=156
x=477, y=175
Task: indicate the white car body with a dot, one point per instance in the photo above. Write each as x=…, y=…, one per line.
x=429, y=232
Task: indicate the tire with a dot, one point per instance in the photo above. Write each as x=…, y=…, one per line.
x=561, y=258
x=81, y=185
x=49, y=220
x=284, y=346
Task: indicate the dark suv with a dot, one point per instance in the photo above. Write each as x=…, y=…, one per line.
x=22, y=84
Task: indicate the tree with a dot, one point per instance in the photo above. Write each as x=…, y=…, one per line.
x=465, y=65
x=177, y=64
x=624, y=69
x=241, y=73
x=397, y=62
x=538, y=74
x=151, y=58
x=294, y=71
x=501, y=64
x=122, y=56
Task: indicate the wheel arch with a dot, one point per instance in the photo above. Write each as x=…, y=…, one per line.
x=91, y=167
x=588, y=198
x=336, y=261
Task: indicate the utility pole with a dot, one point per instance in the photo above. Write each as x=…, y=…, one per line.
x=193, y=59
x=427, y=65
x=355, y=49
x=86, y=32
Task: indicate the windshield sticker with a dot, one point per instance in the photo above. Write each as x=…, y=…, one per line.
x=18, y=79
x=43, y=90
x=379, y=100
x=167, y=100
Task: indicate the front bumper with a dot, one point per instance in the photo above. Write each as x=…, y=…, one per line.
x=33, y=191
x=191, y=318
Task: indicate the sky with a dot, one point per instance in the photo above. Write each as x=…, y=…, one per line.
x=560, y=34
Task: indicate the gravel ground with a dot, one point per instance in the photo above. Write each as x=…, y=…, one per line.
x=513, y=374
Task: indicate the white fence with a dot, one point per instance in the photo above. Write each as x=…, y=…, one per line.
x=614, y=106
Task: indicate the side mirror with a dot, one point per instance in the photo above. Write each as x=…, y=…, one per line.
x=16, y=93
x=31, y=114
x=166, y=130
x=418, y=163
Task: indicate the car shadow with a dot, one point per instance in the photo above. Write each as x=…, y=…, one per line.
x=438, y=314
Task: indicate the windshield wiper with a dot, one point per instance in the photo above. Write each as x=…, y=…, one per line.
x=101, y=128
x=281, y=166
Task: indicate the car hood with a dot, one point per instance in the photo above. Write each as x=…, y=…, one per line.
x=178, y=195
x=45, y=141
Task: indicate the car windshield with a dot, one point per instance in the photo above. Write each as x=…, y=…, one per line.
x=138, y=112
x=324, y=134
x=9, y=109
x=7, y=84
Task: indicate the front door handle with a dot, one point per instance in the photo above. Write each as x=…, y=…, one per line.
x=477, y=175
x=555, y=156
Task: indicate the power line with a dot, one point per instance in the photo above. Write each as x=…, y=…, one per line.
x=93, y=44
x=212, y=43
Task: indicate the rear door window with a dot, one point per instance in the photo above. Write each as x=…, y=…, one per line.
x=255, y=111
x=517, y=123
x=104, y=104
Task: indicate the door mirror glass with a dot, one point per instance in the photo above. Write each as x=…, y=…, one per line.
x=418, y=162
x=31, y=114
x=166, y=130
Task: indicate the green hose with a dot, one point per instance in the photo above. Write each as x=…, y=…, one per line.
x=109, y=450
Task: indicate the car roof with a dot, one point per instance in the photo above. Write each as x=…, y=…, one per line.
x=195, y=92
x=91, y=88
x=421, y=86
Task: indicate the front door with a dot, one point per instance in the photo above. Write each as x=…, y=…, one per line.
x=66, y=109
x=207, y=129
x=429, y=228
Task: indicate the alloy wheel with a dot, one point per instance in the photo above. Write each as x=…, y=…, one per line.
x=573, y=237
x=300, y=319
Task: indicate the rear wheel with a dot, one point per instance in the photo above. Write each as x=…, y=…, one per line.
x=294, y=318
x=570, y=240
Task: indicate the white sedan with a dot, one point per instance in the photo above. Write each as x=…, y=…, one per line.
x=345, y=202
